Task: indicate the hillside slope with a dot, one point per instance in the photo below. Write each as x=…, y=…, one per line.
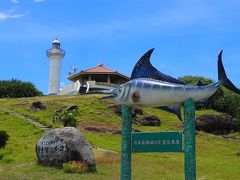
x=216, y=156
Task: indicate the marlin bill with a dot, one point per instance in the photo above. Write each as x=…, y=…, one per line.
x=149, y=87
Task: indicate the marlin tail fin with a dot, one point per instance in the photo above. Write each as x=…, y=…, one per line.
x=222, y=77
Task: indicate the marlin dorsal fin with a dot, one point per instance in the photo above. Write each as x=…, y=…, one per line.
x=144, y=69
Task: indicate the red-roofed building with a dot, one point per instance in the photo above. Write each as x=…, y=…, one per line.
x=99, y=77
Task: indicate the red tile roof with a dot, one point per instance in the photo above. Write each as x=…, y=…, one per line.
x=99, y=69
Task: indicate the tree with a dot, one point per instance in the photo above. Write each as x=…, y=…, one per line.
x=193, y=80
x=16, y=89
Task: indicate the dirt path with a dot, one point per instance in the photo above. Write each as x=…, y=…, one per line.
x=32, y=121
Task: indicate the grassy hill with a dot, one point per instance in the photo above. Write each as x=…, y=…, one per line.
x=216, y=155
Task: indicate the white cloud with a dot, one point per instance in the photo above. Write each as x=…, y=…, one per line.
x=5, y=16
x=38, y=1
x=15, y=1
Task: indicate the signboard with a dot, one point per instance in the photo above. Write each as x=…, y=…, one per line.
x=157, y=142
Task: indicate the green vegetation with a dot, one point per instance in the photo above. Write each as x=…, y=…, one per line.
x=22, y=140
x=216, y=155
x=193, y=80
x=17, y=89
x=3, y=138
x=68, y=117
x=223, y=100
x=226, y=101
x=75, y=167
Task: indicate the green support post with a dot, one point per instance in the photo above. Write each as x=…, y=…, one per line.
x=189, y=140
x=126, y=142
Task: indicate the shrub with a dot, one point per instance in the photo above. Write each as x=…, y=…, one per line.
x=67, y=117
x=1, y=156
x=193, y=80
x=223, y=100
x=75, y=167
x=226, y=101
x=3, y=138
x=237, y=121
x=16, y=89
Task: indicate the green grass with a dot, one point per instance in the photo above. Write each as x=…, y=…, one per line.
x=216, y=156
x=22, y=141
x=106, y=141
x=90, y=108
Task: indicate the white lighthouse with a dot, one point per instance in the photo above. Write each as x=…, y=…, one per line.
x=55, y=55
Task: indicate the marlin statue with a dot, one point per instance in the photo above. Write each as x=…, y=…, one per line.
x=149, y=87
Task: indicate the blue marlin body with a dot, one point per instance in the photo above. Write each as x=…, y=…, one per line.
x=154, y=93
x=149, y=87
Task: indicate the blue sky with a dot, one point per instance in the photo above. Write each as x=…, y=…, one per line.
x=187, y=36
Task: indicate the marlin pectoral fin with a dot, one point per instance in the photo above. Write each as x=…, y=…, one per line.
x=175, y=110
x=144, y=69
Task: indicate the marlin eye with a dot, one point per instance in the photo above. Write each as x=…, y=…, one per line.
x=136, y=96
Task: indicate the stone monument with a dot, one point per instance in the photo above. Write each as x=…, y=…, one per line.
x=61, y=145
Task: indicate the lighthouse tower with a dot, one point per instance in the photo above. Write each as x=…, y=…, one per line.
x=55, y=55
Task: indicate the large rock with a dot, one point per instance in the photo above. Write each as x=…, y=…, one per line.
x=37, y=106
x=216, y=124
x=137, y=111
x=145, y=120
x=106, y=129
x=148, y=120
x=117, y=109
x=61, y=145
x=71, y=107
x=66, y=108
